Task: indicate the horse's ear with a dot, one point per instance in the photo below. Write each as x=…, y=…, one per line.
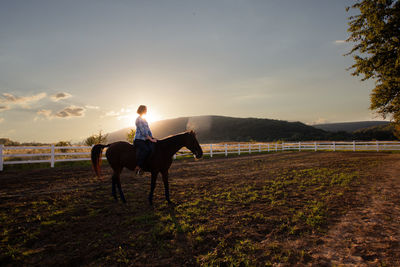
x=192, y=133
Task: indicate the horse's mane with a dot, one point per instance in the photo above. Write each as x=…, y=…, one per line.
x=173, y=136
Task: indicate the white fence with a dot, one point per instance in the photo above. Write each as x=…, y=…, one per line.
x=52, y=154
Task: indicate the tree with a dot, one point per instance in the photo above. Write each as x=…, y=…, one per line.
x=63, y=143
x=96, y=139
x=130, y=136
x=8, y=142
x=375, y=32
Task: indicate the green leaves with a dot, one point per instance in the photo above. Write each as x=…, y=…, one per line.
x=96, y=139
x=375, y=32
x=130, y=136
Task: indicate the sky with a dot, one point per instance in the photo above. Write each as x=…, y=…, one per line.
x=69, y=69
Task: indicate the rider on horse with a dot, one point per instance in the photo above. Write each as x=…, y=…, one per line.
x=144, y=140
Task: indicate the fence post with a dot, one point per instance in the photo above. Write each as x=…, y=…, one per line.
x=334, y=146
x=377, y=146
x=268, y=147
x=354, y=145
x=52, y=156
x=283, y=146
x=249, y=148
x=259, y=148
x=239, y=149
x=226, y=150
x=174, y=156
x=211, y=151
x=299, y=146
x=1, y=157
x=276, y=147
x=315, y=146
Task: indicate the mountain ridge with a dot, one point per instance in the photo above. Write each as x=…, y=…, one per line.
x=349, y=126
x=213, y=128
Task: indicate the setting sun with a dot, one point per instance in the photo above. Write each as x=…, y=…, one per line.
x=151, y=117
x=127, y=117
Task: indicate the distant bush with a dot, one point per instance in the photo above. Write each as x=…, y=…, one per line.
x=63, y=143
x=130, y=136
x=8, y=142
x=96, y=139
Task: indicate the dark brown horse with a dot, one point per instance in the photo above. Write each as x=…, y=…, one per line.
x=123, y=154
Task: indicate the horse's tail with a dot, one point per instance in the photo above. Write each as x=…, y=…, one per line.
x=96, y=157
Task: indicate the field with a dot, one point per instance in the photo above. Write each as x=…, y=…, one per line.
x=304, y=208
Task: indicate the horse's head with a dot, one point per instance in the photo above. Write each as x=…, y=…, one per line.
x=193, y=145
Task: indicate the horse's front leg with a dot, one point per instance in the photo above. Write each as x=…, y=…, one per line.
x=114, y=181
x=153, y=186
x=166, y=185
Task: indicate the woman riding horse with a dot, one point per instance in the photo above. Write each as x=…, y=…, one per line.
x=123, y=154
x=144, y=140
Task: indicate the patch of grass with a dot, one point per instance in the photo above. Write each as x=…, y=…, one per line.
x=48, y=222
x=121, y=255
x=276, y=253
x=145, y=219
x=240, y=254
x=343, y=179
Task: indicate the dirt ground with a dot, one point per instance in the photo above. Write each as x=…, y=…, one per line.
x=278, y=209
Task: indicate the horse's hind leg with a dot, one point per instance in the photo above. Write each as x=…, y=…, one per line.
x=121, y=194
x=114, y=181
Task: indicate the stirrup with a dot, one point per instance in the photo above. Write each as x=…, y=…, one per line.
x=139, y=172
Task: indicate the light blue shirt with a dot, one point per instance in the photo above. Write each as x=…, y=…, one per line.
x=142, y=129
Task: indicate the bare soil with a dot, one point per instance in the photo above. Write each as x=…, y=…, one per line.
x=279, y=209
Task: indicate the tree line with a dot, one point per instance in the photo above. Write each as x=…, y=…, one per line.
x=93, y=139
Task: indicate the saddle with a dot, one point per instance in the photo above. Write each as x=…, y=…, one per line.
x=149, y=157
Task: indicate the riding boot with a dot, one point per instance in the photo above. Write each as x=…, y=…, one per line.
x=138, y=171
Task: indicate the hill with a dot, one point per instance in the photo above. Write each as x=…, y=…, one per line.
x=379, y=132
x=220, y=128
x=349, y=126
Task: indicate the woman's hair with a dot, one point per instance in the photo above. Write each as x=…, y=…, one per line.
x=141, y=109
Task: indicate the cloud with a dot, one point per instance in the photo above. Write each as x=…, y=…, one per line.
x=338, y=42
x=60, y=96
x=44, y=112
x=71, y=111
x=112, y=113
x=10, y=99
x=3, y=107
x=122, y=114
x=92, y=107
x=68, y=112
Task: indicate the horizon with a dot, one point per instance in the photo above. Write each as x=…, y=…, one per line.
x=69, y=69
x=188, y=117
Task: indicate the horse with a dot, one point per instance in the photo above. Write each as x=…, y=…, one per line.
x=123, y=154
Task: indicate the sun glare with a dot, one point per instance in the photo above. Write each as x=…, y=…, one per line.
x=151, y=117
x=128, y=119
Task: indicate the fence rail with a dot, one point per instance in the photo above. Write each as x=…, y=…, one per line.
x=52, y=154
